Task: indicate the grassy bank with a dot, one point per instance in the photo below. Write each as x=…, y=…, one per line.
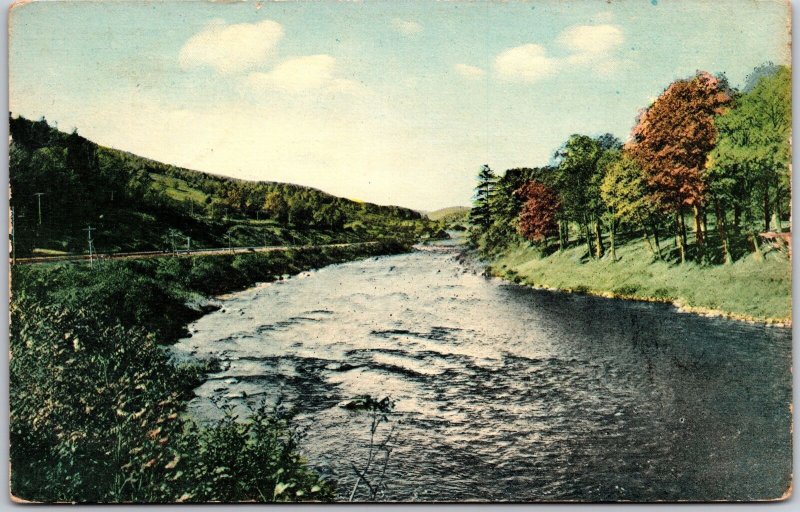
x=749, y=289
x=97, y=406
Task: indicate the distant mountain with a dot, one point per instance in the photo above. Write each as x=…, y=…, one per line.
x=449, y=213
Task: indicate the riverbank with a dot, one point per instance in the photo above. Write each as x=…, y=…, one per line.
x=749, y=290
x=98, y=406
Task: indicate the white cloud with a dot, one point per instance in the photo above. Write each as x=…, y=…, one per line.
x=231, y=48
x=592, y=39
x=594, y=46
x=406, y=27
x=469, y=71
x=526, y=63
x=303, y=74
x=299, y=73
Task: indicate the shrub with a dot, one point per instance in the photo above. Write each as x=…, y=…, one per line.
x=627, y=289
x=663, y=293
x=96, y=417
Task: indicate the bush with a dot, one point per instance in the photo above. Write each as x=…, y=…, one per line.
x=96, y=417
x=664, y=293
x=627, y=289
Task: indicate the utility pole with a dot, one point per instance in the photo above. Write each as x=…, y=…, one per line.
x=39, y=198
x=171, y=234
x=89, y=230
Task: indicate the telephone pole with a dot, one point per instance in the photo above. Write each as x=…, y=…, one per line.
x=89, y=230
x=171, y=236
x=39, y=198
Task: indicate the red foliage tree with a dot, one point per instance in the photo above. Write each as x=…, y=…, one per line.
x=671, y=142
x=538, y=217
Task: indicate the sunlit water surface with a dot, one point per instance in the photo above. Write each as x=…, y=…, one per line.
x=504, y=392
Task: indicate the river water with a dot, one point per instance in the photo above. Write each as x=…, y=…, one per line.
x=504, y=392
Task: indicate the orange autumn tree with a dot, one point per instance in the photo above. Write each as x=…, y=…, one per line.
x=671, y=142
x=538, y=218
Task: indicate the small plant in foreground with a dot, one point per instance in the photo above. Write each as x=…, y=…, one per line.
x=373, y=471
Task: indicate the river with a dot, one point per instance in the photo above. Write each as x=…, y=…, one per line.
x=503, y=392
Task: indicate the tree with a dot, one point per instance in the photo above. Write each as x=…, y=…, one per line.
x=671, y=142
x=754, y=143
x=576, y=160
x=276, y=207
x=578, y=177
x=481, y=214
x=624, y=192
x=538, y=219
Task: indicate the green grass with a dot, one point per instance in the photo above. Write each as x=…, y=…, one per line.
x=177, y=188
x=749, y=288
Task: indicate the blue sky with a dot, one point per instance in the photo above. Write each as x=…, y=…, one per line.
x=395, y=103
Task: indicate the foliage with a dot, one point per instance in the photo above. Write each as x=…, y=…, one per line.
x=624, y=190
x=538, y=218
x=673, y=137
x=579, y=171
x=96, y=417
x=481, y=213
x=754, y=144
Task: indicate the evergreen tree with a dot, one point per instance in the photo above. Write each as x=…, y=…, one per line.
x=481, y=214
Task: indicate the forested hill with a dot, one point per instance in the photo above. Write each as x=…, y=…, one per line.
x=134, y=203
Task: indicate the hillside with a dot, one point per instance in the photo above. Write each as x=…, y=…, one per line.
x=449, y=213
x=63, y=184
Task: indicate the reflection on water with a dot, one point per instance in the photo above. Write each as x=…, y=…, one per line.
x=504, y=392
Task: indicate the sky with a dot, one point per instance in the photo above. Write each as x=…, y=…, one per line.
x=393, y=103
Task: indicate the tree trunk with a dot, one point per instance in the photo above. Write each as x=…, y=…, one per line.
x=766, y=209
x=777, y=209
x=613, y=246
x=647, y=239
x=723, y=235
x=684, y=236
x=737, y=217
x=598, y=240
x=705, y=222
x=655, y=238
x=586, y=235
x=680, y=234
x=699, y=237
